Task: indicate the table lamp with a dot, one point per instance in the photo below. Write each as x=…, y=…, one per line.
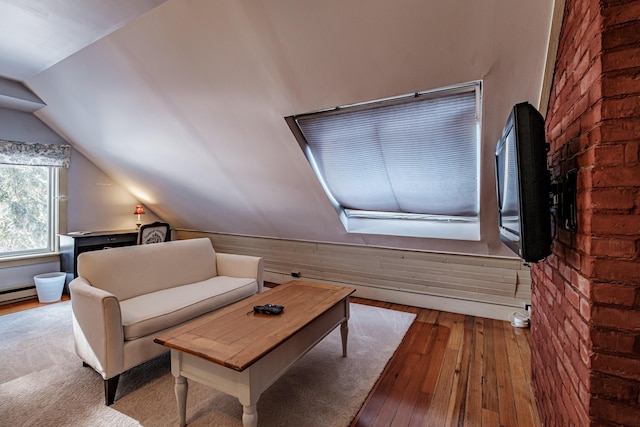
x=138, y=211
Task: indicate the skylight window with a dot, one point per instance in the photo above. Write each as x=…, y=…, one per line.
x=402, y=166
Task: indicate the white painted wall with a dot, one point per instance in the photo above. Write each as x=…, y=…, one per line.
x=94, y=201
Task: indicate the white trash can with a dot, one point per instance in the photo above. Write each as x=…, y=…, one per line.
x=49, y=286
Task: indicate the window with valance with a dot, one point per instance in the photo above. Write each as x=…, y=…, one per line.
x=34, y=154
x=28, y=196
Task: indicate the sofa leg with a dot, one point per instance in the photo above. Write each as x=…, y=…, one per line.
x=110, y=387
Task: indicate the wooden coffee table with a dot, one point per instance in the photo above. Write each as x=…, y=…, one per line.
x=241, y=353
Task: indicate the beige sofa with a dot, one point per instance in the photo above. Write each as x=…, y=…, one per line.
x=124, y=297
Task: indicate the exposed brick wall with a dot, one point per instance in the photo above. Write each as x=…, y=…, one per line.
x=586, y=295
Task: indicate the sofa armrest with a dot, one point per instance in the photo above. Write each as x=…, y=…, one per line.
x=234, y=265
x=97, y=327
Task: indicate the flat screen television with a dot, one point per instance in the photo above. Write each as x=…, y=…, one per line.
x=523, y=184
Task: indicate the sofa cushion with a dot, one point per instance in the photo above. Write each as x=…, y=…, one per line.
x=156, y=311
x=131, y=271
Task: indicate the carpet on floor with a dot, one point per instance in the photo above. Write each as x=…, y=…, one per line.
x=42, y=381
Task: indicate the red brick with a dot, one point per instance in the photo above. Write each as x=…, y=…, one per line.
x=621, y=84
x=637, y=304
x=585, y=141
x=572, y=296
x=622, y=35
x=613, y=412
x=574, y=407
x=583, y=285
x=559, y=85
x=608, y=293
x=573, y=338
x=582, y=369
x=620, y=176
x=563, y=276
x=585, y=309
x=572, y=373
x=605, y=155
x=614, y=388
x=610, y=317
x=613, y=341
x=615, y=365
x=553, y=131
x=595, y=94
x=628, y=106
x=585, y=355
x=606, y=225
x=620, y=14
x=615, y=129
x=619, y=248
x=585, y=396
x=585, y=181
x=572, y=258
x=613, y=198
x=581, y=63
x=584, y=103
x=571, y=123
x=636, y=344
x=564, y=236
x=591, y=77
x=631, y=153
x=579, y=323
x=589, y=26
x=558, y=346
x=586, y=269
x=617, y=270
x=583, y=214
x=622, y=59
x=592, y=118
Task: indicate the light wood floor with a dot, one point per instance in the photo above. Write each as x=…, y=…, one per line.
x=450, y=370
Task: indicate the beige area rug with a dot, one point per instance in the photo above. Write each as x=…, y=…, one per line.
x=43, y=383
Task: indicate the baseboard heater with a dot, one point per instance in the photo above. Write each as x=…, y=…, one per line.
x=22, y=293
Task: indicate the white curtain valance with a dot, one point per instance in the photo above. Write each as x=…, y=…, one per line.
x=34, y=154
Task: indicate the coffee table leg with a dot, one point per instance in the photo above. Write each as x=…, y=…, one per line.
x=249, y=416
x=344, y=332
x=182, y=386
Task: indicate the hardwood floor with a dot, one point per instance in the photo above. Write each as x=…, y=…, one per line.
x=450, y=370
x=25, y=305
x=454, y=370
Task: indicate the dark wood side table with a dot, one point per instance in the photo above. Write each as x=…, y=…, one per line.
x=73, y=244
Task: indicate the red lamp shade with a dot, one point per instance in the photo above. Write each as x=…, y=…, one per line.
x=138, y=211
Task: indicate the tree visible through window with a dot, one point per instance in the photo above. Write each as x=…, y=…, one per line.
x=25, y=209
x=402, y=166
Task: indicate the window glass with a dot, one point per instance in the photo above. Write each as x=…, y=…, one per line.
x=26, y=209
x=410, y=158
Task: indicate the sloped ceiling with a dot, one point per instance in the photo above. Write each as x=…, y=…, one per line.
x=185, y=105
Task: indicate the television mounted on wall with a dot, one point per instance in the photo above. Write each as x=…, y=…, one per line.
x=523, y=185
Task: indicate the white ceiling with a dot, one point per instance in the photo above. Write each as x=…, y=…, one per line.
x=184, y=105
x=37, y=34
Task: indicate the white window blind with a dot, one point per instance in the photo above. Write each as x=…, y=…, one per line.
x=411, y=158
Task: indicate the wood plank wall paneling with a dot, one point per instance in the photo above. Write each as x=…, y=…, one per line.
x=498, y=281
